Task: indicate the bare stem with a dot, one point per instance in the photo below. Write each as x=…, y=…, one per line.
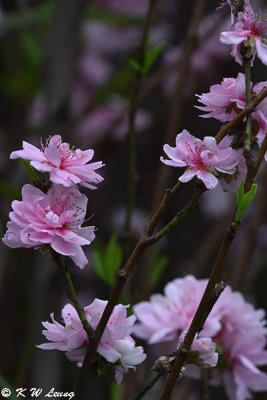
x=59, y=260
x=134, y=101
x=248, y=97
x=149, y=385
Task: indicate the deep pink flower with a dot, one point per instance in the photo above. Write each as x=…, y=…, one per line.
x=66, y=165
x=235, y=326
x=247, y=30
x=54, y=218
x=116, y=344
x=204, y=158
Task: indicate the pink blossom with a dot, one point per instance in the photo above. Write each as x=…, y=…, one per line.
x=54, y=218
x=237, y=328
x=116, y=345
x=207, y=356
x=224, y=99
x=204, y=158
x=248, y=30
x=66, y=165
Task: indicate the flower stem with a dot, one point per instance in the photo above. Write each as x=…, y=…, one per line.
x=59, y=260
x=247, y=68
x=149, y=385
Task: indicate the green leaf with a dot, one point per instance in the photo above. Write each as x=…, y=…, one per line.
x=30, y=171
x=107, y=260
x=151, y=56
x=244, y=199
x=135, y=65
x=159, y=263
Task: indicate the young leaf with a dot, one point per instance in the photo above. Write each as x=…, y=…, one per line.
x=135, y=65
x=244, y=200
x=107, y=260
x=30, y=171
x=151, y=56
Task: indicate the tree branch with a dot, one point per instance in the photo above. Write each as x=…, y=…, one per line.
x=126, y=270
x=206, y=302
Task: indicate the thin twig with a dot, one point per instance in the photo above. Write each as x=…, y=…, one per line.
x=134, y=102
x=149, y=385
x=247, y=68
x=205, y=305
x=59, y=260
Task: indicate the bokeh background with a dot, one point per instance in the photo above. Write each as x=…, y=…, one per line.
x=65, y=70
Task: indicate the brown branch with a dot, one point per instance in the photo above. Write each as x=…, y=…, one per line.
x=206, y=302
x=125, y=271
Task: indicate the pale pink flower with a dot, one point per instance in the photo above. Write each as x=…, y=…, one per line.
x=206, y=348
x=54, y=218
x=116, y=344
x=237, y=328
x=66, y=165
x=224, y=99
x=204, y=158
x=248, y=30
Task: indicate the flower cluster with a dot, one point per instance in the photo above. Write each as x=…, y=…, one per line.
x=227, y=99
x=234, y=325
x=55, y=217
x=204, y=159
x=247, y=32
x=116, y=345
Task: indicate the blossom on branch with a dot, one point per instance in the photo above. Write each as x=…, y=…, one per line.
x=66, y=165
x=204, y=159
x=54, y=218
x=116, y=345
x=205, y=348
x=225, y=100
x=248, y=31
x=237, y=328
